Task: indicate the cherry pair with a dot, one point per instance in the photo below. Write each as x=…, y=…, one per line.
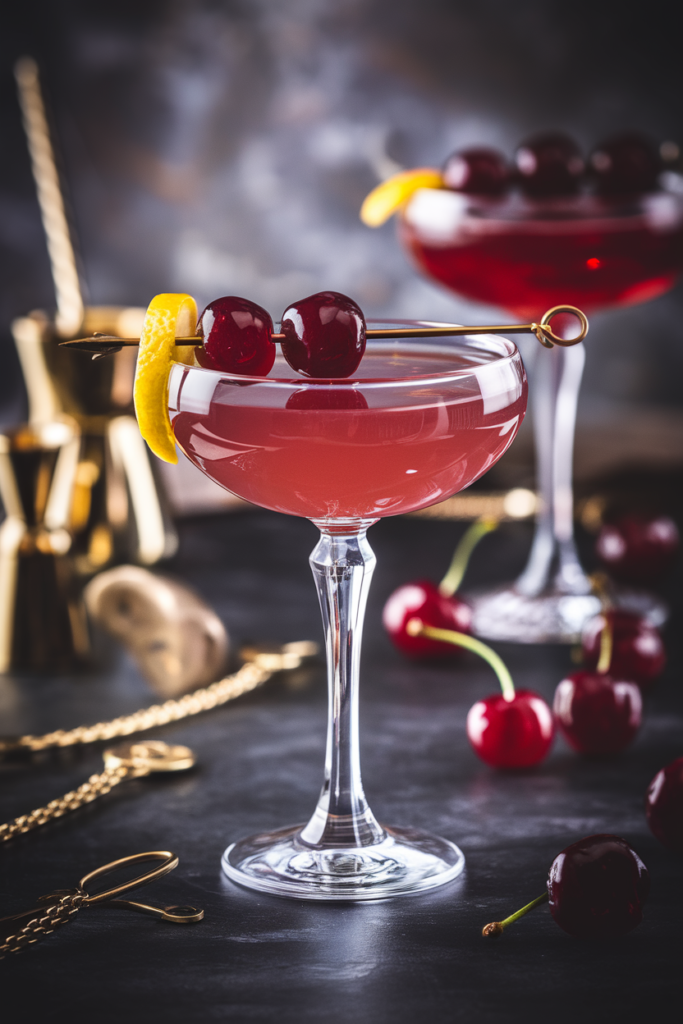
x=551, y=164
x=323, y=336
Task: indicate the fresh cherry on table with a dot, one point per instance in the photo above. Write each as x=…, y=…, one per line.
x=625, y=164
x=324, y=335
x=434, y=605
x=237, y=337
x=424, y=600
x=549, y=164
x=595, y=889
x=511, y=729
x=637, y=647
x=664, y=805
x=638, y=548
x=512, y=732
x=598, y=713
x=478, y=170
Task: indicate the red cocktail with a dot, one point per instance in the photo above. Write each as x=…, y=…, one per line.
x=525, y=254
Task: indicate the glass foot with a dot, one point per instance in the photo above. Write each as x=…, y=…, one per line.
x=405, y=861
x=551, y=617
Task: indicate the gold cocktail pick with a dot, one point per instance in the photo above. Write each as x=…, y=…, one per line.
x=106, y=344
x=19, y=931
x=125, y=761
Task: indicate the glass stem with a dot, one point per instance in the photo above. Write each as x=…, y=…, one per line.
x=554, y=563
x=342, y=565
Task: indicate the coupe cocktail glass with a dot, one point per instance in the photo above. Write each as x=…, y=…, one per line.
x=525, y=255
x=419, y=420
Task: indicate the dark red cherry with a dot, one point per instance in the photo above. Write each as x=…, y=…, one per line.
x=638, y=548
x=515, y=733
x=237, y=337
x=423, y=600
x=597, y=887
x=597, y=714
x=637, y=647
x=627, y=163
x=324, y=335
x=317, y=397
x=477, y=170
x=664, y=805
x=549, y=164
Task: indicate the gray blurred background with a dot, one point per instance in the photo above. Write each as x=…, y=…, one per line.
x=225, y=146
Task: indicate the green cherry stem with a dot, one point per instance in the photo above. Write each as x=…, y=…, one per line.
x=416, y=627
x=600, y=587
x=496, y=928
x=606, y=645
x=468, y=542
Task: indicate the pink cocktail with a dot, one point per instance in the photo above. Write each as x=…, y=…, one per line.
x=524, y=255
x=419, y=420
x=357, y=449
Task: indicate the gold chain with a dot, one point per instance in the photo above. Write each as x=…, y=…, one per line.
x=97, y=785
x=251, y=675
x=63, y=910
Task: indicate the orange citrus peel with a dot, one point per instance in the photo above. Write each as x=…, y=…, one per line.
x=169, y=316
x=388, y=197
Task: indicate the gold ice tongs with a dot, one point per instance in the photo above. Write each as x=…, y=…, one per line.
x=99, y=345
x=21, y=930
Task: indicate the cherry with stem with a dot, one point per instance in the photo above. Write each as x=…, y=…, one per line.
x=599, y=711
x=436, y=605
x=637, y=649
x=596, y=889
x=511, y=729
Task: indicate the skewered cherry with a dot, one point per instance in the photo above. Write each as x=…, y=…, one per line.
x=477, y=170
x=549, y=164
x=638, y=548
x=324, y=335
x=237, y=337
x=637, y=647
x=595, y=889
x=664, y=805
x=627, y=163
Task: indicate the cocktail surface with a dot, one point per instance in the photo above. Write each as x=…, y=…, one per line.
x=414, y=425
x=580, y=250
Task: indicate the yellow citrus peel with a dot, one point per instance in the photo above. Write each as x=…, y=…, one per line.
x=388, y=197
x=168, y=317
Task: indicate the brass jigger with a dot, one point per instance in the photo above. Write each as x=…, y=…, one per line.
x=119, y=511
x=41, y=618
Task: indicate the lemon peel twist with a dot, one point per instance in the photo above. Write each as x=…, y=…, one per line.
x=169, y=316
x=388, y=197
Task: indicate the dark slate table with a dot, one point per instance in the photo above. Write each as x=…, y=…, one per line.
x=262, y=958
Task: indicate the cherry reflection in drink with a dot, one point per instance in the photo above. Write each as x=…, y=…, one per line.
x=554, y=229
x=417, y=420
